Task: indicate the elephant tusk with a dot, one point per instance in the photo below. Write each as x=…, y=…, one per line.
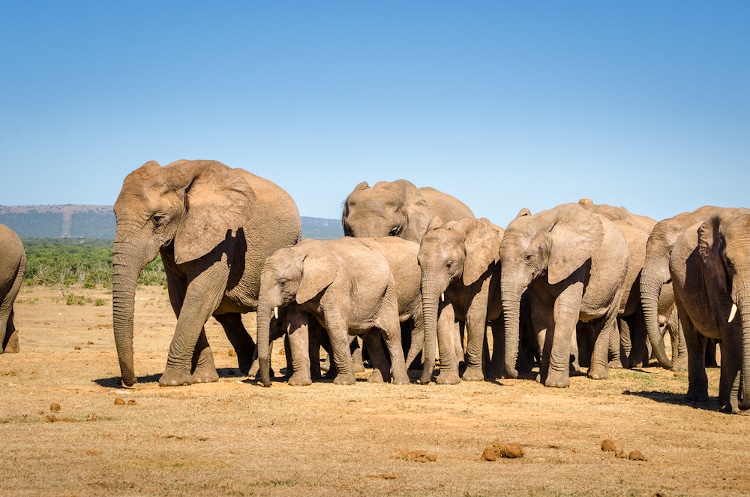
x=276, y=312
x=732, y=313
x=442, y=297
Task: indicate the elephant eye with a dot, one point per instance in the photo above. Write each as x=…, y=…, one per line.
x=158, y=219
x=395, y=231
x=527, y=258
x=449, y=264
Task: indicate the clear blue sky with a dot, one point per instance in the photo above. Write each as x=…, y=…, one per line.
x=504, y=104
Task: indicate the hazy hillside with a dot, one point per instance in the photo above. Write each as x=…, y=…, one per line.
x=98, y=221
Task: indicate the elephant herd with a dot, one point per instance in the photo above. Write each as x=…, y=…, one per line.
x=580, y=285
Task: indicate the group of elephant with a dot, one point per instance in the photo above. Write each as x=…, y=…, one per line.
x=578, y=285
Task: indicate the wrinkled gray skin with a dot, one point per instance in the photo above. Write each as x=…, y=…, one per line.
x=12, y=266
x=573, y=264
x=710, y=268
x=349, y=288
x=213, y=226
x=657, y=295
x=398, y=208
x=461, y=260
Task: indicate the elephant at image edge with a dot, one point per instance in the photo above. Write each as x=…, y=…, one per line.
x=461, y=260
x=398, y=208
x=349, y=288
x=656, y=286
x=12, y=266
x=710, y=268
x=214, y=226
x=573, y=264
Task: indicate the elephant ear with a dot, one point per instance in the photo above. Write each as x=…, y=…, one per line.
x=217, y=199
x=415, y=210
x=319, y=269
x=482, y=246
x=710, y=241
x=345, y=211
x=575, y=235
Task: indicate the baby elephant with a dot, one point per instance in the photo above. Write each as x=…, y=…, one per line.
x=12, y=265
x=348, y=286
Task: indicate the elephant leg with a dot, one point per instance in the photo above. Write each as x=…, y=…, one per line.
x=620, y=345
x=476, y=329
x=338, y=334
x=639, y=355
x=358, y=362
x=696, y=346
x=10, y=341
x=201, y=297
x=298, y=335
x=599, y=369
x=450, y=350
x=495, y=363
x=565, y=313
x=381, y=368
x=392, y=335
x=243, y=343
x=204, y=369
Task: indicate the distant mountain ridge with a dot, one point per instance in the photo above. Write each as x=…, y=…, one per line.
x=98, y=221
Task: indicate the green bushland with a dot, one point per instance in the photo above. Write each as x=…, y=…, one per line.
x=86, y=262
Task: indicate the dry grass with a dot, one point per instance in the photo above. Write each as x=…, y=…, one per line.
x=236, y=438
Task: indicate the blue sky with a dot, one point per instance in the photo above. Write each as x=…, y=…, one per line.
x=504, y=104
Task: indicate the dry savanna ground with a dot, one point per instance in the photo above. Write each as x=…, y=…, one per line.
x=67, y=429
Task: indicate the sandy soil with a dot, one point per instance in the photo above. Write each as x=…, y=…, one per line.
x=67, y=429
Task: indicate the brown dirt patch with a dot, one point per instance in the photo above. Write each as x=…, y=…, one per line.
x=234, y=437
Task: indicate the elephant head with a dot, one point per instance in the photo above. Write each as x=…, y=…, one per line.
x=724, y=248
x=548, y=246
x=655, y=275
x=459, y=251
x=186, y=208
x=288, y=276
x=395, y=208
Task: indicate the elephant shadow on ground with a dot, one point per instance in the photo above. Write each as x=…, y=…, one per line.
x=676, y=399
x=114, y=381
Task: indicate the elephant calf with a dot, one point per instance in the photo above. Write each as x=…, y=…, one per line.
x=348, y=286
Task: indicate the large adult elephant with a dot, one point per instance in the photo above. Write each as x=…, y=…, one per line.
x=214, y=227
x=398, y=208
x=710, y=269
x=461, y=261
x=656, y=284
x=573, y=264
x=12, y=266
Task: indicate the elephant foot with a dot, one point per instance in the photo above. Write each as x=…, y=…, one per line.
x=345, y=379
x=679, y=365
x=598, y=373
x=448, y=378
x=376, y=376
x=473, y=373
x=173, y=377
x=299, y=380
x=511, y=374
x=558, y=380
x=12, y=346
x=205, y=376
x=401, y=379
x=617, y=364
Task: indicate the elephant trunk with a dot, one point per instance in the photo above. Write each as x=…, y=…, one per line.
x=651, y=284
x=744, y=307
x=431, y=293
x=511, y=299
x=264, y=315
x=127, y=263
